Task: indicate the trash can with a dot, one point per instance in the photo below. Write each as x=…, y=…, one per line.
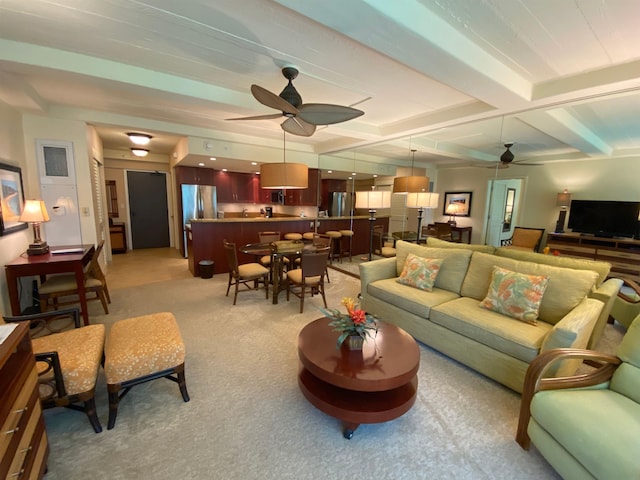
x=206, y=268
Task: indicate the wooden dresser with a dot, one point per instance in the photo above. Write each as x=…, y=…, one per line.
x=23, y=440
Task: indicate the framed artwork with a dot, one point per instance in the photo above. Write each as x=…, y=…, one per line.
x=462, y=202
x=11, y=199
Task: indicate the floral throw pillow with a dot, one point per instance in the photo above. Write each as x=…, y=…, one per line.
x=515, y=294
x=420, y=272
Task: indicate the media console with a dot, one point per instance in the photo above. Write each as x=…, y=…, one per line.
x=622, y=254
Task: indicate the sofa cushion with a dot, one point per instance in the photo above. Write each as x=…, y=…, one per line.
x=413, y=300
x=515, y=294
x=566, y=287
x=505, y=334
x=452, y=270
x=607, y=444
x=626, y=379
x=476, y=247
x=420, y=272
x=602, y=268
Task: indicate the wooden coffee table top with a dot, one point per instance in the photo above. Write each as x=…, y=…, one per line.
x=390, y=361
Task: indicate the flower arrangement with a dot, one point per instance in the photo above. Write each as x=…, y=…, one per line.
x=355, y=322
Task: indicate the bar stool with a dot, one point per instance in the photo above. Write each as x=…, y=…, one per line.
x=346, y=250
x=308, y=237
x=293, y=236
x=335, y=250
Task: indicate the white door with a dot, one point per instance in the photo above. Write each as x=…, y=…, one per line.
x=61, y=201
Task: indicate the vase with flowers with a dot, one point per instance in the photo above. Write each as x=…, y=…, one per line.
x=355, y=326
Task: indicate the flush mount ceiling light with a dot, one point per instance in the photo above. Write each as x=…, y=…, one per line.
x=140, y=152
x=284, y=175
x=412, y=183
x=139, y=138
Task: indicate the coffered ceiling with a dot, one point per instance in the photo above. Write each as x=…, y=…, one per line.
x=453, y=79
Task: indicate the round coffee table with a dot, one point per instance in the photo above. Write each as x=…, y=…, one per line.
x=374, y=385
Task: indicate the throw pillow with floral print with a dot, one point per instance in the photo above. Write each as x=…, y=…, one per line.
x=420, y=272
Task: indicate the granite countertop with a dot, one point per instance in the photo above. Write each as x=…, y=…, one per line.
x=278, y=219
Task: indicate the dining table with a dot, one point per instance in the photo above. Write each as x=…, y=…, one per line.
x=278, y=251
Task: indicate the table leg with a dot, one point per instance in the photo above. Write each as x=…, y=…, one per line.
x=12, y=286
x=349, y=430
x=82, y=294
x=277, y=276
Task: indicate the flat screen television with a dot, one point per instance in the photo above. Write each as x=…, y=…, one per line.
x=604, y=218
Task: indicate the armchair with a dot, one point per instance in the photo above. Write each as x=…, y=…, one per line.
x=586, y=426
x=68, y=357
x=626, y=306
x=524, y=238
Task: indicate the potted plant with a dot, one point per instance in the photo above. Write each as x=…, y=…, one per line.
x=355, y=326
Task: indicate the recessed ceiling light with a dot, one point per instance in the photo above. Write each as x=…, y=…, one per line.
x=212, y=158
x=201, y=164
x=224, y=169
x=329, y=171
x=257, y=173
x=254, y=163
x=140, y=152
x=139, y=138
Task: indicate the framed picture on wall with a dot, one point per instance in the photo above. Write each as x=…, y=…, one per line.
x=11, y=199
x=457, y=204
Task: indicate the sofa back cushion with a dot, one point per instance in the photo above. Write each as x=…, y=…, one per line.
x=626, y=379
x=602, y=268
x=476, y=247
x=454, y=263
x=565, y=290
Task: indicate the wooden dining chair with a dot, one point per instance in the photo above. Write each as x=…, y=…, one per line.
x=309, y=278
x=244, y=274
x=270, y=237
x=56, y=289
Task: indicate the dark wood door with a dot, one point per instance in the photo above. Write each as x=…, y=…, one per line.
x=148, y=209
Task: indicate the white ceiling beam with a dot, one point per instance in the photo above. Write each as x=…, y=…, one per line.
x=17, y=93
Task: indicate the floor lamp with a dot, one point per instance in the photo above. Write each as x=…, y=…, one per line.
x=422, y=200
x=371, y=201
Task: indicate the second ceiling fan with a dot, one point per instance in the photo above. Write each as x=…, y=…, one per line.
x=301, y=118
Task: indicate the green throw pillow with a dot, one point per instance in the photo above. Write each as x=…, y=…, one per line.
x=420, y=272
x=515, y=294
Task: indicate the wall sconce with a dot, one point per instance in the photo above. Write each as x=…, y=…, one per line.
x=139, y=138
x=139, y=152
x=372, y=200
x=563, y=200
x=35, y=212
x=452, y=210
x=421, y=201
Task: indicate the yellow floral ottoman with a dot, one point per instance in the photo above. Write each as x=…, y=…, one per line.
x=141, y=349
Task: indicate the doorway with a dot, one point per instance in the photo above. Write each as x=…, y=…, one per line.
x=502, y=210
x=148, y=209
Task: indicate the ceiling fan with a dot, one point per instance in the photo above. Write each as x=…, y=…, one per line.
x=507, y=158
x=301, y=118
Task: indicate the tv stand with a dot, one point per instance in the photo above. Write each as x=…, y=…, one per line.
x=622, y=254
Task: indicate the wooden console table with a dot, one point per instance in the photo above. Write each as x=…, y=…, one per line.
x=622, y=254
x=456, y=232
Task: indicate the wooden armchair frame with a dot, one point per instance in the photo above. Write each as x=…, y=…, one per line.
x=509, y=241
x=533, y=382
x=53, y=391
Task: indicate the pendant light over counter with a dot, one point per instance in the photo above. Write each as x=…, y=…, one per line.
x=284, y=175
x=412, y=183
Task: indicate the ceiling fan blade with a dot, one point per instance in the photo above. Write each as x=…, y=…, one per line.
x=258, y=117
x=272, y=100
x=297, y=126
x=327, y=114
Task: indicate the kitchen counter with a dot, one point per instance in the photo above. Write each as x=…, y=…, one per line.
x=205, y=236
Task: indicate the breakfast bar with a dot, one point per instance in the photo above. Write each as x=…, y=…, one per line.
x=204, y=237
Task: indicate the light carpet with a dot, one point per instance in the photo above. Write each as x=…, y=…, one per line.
x=247, y=419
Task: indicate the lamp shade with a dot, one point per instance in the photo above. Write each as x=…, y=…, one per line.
x=563, y=199
x=423, y=200
x=284, y=175
x=453, y=209
x=373, y=200
x=412, y=184
x=34, y=211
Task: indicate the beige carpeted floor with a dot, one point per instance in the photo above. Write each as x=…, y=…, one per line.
x=247, y=418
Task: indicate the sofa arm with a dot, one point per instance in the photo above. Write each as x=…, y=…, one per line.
x=376, y=270
x=606, y=293
x=573, y=331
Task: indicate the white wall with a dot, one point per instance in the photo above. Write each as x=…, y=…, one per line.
x=587, y=180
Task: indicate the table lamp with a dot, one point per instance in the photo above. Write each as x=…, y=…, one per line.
x=35, y=213
x=452, y=210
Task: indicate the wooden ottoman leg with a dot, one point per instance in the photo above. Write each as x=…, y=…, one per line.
x=114, y=399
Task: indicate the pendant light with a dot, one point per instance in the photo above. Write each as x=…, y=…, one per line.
x=284, y=175
x=412, y=183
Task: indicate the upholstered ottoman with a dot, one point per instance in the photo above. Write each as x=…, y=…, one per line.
x=141, y=349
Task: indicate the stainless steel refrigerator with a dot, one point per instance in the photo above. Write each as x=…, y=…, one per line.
x=340, y=204
x=198, y=201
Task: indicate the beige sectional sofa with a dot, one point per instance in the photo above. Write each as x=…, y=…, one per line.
x=450, y=320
